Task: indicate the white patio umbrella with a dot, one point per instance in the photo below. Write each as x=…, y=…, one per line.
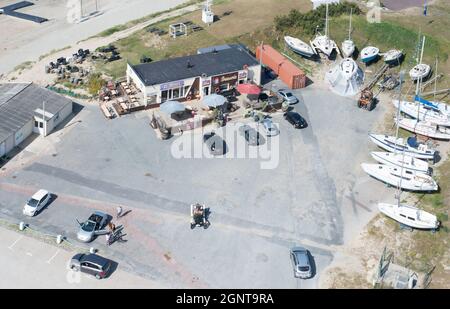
x=214, y=100
x=171, y=107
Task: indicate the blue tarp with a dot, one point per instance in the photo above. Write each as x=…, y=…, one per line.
x=412, y=142
x=425, y=102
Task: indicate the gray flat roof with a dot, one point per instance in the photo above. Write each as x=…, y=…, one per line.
x=214, y=63
x=19, y=101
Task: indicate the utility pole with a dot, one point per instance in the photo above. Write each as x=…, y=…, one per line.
x=81, y=8
x=44, y=124
x=96, y=5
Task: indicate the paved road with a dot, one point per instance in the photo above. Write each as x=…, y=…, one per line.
x=29, y=263
x=317, y=196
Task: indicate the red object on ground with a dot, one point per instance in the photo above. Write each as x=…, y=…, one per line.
x=248, y=89
x=289, y=73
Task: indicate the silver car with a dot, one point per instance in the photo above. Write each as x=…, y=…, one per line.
x=288, y=96
x=93, y=226
x=270, y=128
x=301, y=262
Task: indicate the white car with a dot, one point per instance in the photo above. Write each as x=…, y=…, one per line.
x=270, y=128
x=35, y=204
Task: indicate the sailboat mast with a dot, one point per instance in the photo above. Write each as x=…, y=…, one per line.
x=435, y=81
x=423, y=45
x=402, y=73
x=326, y=21
x=350, y=27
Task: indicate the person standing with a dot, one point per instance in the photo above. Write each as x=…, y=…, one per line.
x=119, y=212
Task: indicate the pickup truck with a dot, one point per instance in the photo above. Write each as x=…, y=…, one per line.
x=93, y=226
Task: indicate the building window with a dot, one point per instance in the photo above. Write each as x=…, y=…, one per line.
x=186, y=89
x=36, y=124
x=41, y=125
x=223, y=87
x=176, y=93
x=164, y=96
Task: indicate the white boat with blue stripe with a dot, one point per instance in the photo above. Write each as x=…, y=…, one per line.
x=410, y=146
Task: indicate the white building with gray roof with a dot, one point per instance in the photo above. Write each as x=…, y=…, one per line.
x=26, y=109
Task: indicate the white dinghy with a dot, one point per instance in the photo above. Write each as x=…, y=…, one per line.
x=425, y=128
x=404, y=178
x=410, y=216
x=299, y=47
x=410, y=146
x=393, y=56
x=423, y=112
x=369, y=53
x=420, y=72
x=400, y=159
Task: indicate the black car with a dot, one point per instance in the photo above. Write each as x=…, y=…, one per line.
x=295, y=119
x=92, y=264
x=252, y=136
x=216, y=145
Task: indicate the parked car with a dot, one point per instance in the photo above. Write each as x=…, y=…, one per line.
x=215, y=144
x=92, y=264
x=295, y=119
x=270, y=128
x=36, y=203
x=288, y=96
x=252, y=136
x=93, y=226
x=301, y=262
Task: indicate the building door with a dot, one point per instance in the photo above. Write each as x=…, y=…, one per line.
x=38, y=126
x=206, y=91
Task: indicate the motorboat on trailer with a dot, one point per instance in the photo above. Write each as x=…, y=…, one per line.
x=410, y=216
x=423, y=112
x=424, y=128
x=400, y=159
x=404, y=178
x=299, y=47
x=393, y=56
x=420, y=72
x=410, y=146
x=369, y=54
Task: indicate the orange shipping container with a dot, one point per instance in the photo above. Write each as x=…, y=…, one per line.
x=289, y=73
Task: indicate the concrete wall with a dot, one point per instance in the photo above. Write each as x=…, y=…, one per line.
x=23, y=132
x=59, y=117
x=2, y=149
x=254, y=74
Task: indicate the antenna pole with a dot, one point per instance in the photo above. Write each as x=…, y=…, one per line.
x=350, y=28
x=423, y=45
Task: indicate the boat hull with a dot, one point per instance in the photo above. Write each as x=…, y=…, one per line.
x=390, y=145
x=399, y=160
x=425, y=129
x=418, y=111
x=410, y=216
x=305, y=52
x=410, y=181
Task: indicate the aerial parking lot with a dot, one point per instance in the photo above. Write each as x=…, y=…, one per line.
x=310, y=198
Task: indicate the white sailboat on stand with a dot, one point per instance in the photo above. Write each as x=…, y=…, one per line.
x=400, y=159
x=348, y=46
x=322, y=43
x=394, y=172
x=409, y=215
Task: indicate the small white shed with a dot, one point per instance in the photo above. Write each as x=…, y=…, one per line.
x=317, y=3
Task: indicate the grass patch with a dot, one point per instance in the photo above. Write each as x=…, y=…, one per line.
x=53, y=52
x=23, y=66
x=94, y=83
x=135, y=22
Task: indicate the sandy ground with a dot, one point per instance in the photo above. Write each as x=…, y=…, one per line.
x=36, y=73
x=25, y=41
